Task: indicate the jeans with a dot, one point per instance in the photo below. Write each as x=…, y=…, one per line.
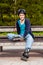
x=28, y=39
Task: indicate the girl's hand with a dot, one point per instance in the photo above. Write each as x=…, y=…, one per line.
x=21, y=39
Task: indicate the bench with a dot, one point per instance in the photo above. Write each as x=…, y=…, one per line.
x=38, y=43
x=12, y=28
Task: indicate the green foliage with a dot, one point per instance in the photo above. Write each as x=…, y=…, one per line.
x=34, y=9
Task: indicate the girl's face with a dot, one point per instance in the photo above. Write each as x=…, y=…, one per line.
x=22, y=17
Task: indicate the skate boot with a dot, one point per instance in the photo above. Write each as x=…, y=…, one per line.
x=25, y=55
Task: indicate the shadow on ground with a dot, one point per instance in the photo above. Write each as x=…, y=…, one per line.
x=18, y=53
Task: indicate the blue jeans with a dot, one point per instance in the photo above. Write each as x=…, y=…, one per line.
x=28, y=39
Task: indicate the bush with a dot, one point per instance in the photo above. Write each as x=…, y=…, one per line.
x=34, y=9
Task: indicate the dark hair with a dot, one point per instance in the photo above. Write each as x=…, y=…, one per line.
x=22, y=11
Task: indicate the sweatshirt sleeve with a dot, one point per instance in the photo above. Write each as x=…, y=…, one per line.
x=18, y=29
x=27, y=28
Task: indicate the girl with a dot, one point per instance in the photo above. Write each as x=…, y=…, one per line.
x=24, y=31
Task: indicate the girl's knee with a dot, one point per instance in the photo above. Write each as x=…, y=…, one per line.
x=9, y=36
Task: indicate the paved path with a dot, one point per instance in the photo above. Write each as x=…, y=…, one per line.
x=13, y=57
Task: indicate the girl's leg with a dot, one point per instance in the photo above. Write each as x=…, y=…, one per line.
x=29, y=41
x=11, y=36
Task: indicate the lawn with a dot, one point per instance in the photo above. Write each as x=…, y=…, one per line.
x=35, y=33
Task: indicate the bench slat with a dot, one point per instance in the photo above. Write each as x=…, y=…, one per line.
x=13, y=29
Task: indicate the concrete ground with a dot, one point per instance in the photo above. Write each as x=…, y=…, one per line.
x=13, y=57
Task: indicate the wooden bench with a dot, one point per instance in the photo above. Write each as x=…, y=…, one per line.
x=4, y=39
x=12, y=28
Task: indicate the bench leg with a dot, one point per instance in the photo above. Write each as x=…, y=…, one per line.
x=1, y=48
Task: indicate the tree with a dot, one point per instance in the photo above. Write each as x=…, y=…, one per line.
x=34, y=9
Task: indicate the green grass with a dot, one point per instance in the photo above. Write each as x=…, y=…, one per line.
x=35, y=33
x=5, y=33
x=38, y=33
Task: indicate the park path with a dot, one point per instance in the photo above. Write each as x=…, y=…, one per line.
x=13, y=57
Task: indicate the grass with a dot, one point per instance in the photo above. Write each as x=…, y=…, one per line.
x=5, y=33
x=35, y=33
x=38, y=33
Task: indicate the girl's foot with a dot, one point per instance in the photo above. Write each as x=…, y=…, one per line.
x=25, y=55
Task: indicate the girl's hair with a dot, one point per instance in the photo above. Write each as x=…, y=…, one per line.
x=22, y=11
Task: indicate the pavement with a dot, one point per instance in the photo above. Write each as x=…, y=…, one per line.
x=13, y=57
